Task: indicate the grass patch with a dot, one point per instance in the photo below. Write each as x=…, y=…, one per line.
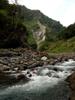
x=62, y=46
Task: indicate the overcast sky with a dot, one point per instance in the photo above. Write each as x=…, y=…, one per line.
x=60, y=10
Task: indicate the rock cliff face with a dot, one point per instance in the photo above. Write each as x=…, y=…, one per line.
x=40, y=26
x=39, y=34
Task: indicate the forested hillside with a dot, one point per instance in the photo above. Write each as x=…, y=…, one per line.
x=19, y=24
x=12, y=32
x=22, y=27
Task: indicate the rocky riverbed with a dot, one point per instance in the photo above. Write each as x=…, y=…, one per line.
x=14, y=61
x=21, y=66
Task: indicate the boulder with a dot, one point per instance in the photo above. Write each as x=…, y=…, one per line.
x=30, y=75
x=44, y=58
x=72, y=97
x=71, y=80
x=22, y=77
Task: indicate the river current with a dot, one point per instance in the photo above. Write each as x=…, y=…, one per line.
x=46, y=83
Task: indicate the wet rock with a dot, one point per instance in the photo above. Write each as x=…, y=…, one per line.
x=49, y=74
x=6, y=69
x=54, y=61
x=59, y=59
x=25, y=67
x=28, y=72
x=71, y=80
x=55, y=69
x=15, y=69
x=30, y=75
x=22, y=77
x=6, y=79
x=72, y=97
x=34, y=71
x=37, y=64
x=56, y=76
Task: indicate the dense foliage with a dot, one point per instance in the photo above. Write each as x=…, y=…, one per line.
x=68, y=32
x=12, y=31
x=17, y=24
x=30, y=18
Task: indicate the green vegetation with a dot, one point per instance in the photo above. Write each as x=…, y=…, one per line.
x=68, y=32
x=12, y=32
x=31, y=17
x=18, y=24
x=64, y=42
x=62, y=46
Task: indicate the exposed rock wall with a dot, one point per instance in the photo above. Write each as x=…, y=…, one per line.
x=39, y=34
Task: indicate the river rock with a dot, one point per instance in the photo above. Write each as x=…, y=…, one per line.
x=22, y=77
x=71, y=80
x=37, y=64
x=6, y=79
x=72, y=97
x=6, y=68
x=30, y=75
x=57, y=69
x=44, y=58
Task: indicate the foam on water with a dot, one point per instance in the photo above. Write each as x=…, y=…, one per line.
x=38, y=84
x=43, y=80
x=69, y=62
x=66, y=65
x=44, y=71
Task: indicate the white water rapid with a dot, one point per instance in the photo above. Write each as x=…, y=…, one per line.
x=46, y=83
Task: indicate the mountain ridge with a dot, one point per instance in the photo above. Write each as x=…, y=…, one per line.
x=31, y=19
x=22, y=27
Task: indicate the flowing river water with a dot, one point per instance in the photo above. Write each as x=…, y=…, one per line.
x=46, y=83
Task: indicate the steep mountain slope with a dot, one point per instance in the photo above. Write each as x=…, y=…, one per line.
x=25, y=27
x=34, y=20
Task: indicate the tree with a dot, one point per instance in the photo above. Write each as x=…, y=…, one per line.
x=68, y=32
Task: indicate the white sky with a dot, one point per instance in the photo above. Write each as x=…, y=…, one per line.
x=60, y=10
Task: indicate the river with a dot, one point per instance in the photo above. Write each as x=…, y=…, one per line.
x=46, y=83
